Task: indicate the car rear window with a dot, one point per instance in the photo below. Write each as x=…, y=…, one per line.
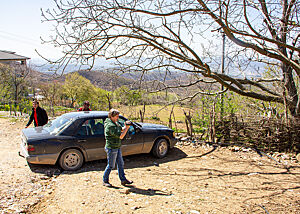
x=57, y=124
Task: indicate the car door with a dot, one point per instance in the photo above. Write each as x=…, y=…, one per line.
x=133, y=141
x=90, y=137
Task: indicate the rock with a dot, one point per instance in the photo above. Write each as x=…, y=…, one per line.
x=126, y=191
x=156, y=164
x=298, y=157
x=253, y=173
x=235, y=149
x=246, y=149
x=194, y=212
x=135, y=207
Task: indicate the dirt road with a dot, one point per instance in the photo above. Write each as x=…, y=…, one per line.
x=192, y=179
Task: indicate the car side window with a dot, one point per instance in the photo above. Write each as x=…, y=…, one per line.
x=84, y=129
x=131, y=130
x=97, y=126
x=91, y=127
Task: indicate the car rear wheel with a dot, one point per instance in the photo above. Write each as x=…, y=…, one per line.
x=160, y=148
x=71, y=160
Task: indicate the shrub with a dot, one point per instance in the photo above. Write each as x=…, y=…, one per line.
x=155, y=118
x=7, y=108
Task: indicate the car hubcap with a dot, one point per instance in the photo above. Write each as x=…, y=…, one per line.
x=72, y=160
x=163, y=148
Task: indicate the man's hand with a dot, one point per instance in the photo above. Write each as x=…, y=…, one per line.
x=128, y=123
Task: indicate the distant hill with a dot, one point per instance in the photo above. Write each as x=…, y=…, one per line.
x=104, y=80
x=111, y=78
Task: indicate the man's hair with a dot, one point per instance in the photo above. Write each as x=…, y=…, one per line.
x=86, y=102
x=113, y=112
x=35, y=101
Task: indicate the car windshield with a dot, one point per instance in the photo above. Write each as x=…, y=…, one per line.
x=58, y=124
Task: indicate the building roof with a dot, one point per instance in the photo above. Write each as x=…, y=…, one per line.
x=9, y=55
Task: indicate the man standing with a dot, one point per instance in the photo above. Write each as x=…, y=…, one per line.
x=86, y=107
x=114, y=133
x=38, y=115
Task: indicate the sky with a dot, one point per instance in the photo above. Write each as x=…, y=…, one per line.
x=21, y=28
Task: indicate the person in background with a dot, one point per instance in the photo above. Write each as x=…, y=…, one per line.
x=38, y=115
x=86, y=107
x=114, y=133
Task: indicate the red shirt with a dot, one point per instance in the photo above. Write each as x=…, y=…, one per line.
x=35, y=118
x=81, y=109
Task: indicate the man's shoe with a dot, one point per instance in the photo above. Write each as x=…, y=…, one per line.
x=107, y=184
x=126, y=182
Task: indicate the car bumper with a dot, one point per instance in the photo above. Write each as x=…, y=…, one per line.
x=37, y=159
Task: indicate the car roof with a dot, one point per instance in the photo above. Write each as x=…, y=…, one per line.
x=85, y=114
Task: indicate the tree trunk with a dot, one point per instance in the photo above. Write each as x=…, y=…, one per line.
x=291, y=89
x=109, y=102
x=170, y=118
x=188, y=122
x=142, y=113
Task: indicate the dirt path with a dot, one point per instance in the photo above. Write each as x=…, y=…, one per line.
x=192, y=179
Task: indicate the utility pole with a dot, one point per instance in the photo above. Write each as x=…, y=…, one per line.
x=223, y=71
x=222, y=64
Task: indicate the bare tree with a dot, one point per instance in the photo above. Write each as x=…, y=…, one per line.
x=13, y=76
x=168, y=36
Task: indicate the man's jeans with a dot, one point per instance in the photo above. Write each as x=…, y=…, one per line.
x=113, y=156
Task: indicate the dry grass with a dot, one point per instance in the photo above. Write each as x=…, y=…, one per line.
x=161, y=112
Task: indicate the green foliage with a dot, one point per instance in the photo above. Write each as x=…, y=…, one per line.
x=78, y=88
x=155, y=118
x=25, y=110
x=129, y=97
x=7, y=107
x=99, y=99
x=202, y=116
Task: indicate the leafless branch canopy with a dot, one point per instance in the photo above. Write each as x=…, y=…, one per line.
x=170, y=36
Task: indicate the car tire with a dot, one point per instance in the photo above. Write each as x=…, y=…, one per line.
x=71, y=160
x=160, y=148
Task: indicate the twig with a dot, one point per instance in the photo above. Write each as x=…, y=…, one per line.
x=263, y=208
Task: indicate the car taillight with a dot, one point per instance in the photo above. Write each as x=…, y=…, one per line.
x=30, y=148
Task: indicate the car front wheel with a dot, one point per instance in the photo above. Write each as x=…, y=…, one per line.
x=71, y=160
x=160, y=148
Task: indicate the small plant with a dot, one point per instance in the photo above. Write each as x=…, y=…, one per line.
x=7, y=108
x=155, y=118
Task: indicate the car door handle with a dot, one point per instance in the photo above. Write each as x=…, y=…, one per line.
x=81, y=141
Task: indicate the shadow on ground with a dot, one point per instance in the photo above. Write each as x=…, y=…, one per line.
x=132, y=161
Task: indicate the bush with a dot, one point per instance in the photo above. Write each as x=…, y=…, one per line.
x=155, y=118
x=7, y=108
x=25, y=110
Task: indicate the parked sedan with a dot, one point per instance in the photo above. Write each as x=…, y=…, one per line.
x=78, y=137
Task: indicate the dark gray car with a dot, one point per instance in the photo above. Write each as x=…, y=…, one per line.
x=77, y=137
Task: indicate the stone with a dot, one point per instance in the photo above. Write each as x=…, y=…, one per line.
x=194, y=212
